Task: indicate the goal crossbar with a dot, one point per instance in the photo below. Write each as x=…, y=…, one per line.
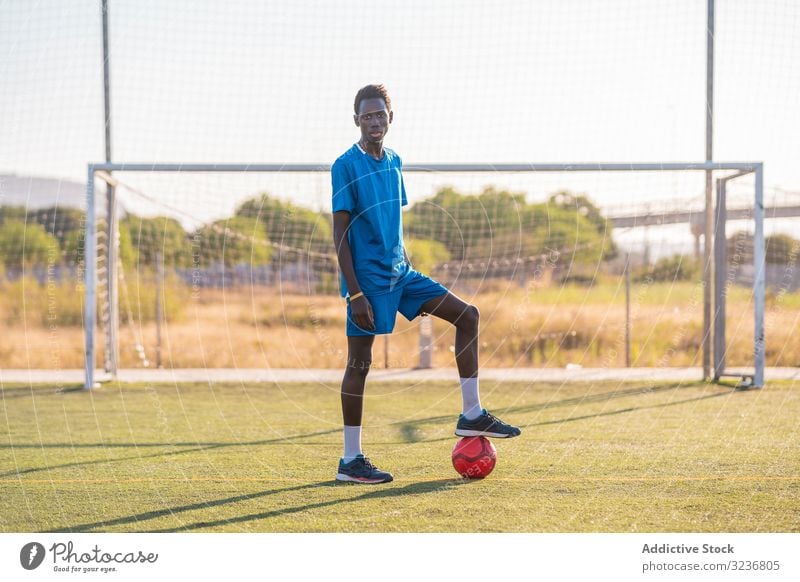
x=102, y=171
x=746, y=167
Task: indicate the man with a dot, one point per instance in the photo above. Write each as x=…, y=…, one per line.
x=378, y=281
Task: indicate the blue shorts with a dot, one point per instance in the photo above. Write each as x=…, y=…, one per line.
x=408, y=300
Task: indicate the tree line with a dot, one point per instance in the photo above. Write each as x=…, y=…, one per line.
x=447, y=227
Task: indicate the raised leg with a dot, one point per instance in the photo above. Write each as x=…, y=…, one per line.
x=466, y=318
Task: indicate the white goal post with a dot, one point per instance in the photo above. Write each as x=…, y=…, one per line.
x=733, y=170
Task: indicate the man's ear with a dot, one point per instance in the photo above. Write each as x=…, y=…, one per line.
x=391, y=116
x=355, y=120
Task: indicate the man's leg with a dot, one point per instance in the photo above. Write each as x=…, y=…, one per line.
x=359, y=359
x=474, y=420
x=354, y=466
x=466, y=318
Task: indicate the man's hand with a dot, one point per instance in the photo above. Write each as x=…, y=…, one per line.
x=362, y=313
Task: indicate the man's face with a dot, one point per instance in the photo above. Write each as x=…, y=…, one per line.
x=373, y=118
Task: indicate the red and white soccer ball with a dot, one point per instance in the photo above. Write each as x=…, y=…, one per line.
x=474, y=457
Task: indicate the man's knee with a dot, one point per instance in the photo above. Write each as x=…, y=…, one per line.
x=359, y=365
x=470, y=318
x=359, y=355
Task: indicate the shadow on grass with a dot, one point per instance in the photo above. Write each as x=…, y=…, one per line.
x=409, y=430
x=626, y=410
x=9, y=392
x=30, y=391
x=195, y=447
x=378, y=493
x=409, y=427
x=72, y=390
x=410, y=433
x=191, y=507
x=381, y=492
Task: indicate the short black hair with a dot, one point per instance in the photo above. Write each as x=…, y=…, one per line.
x=372, y=92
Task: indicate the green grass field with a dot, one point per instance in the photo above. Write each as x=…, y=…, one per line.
x=602, y=457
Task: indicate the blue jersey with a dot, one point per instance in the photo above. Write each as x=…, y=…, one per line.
x=372, y=191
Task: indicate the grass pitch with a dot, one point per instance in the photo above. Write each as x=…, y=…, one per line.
x=593, y=457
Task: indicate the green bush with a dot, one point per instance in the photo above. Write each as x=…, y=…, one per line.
x=669, y=269
x=234, y=241
x=294, y=228
x=425, y=254
x=497, y=224
x=24, y=244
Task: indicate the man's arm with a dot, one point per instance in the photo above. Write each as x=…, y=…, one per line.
x=360, y=307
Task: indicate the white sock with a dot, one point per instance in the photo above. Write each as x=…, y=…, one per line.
x=470, y=398
x=352, y=443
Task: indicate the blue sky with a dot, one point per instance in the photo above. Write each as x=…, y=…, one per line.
x=561, y=81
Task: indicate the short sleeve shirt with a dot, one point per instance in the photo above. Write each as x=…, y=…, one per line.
x=372, y=191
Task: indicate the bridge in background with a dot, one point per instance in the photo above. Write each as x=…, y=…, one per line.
x=695, y=219
x=696, y=216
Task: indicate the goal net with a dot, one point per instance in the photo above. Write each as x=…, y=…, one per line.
x=233, y=266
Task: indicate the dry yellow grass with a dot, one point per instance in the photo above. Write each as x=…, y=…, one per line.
x=519, y=327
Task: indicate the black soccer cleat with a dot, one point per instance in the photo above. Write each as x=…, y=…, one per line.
x=361, y=470
x=486, y=425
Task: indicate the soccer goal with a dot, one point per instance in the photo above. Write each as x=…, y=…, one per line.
x=233, y=266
